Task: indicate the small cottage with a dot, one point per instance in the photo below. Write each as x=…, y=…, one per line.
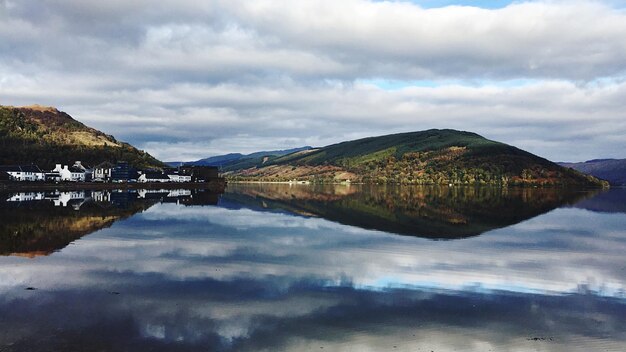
x=102, y=172
x=176, y=176
x=200, y=173
x=24, y=172
x=155, y=177
x=76, y=173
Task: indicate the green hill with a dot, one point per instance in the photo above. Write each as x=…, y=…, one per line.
x=45, y=136
x=426, y=157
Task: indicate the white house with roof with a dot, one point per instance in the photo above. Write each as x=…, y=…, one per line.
x=24, y=172
x=102, y=172
x=175, y=193
x=65, y=198
x=26, y=197
x=64, y=172
x=101, y=196
x=148, y=177
x=82, y=172
x=179, y=178
x=72, y=174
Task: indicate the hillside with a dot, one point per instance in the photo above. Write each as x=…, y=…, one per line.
x=426, y=157
x=612, y=170
x=45, y=136
x=236, y=161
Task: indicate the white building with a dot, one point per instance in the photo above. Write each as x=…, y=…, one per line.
x=175, y=193
x=66, y=197
x=26, y=197
x=72, y=174
x=102, y=172
x=24, y=172
x=179, y=178
x=101, y=196
x=153, y=177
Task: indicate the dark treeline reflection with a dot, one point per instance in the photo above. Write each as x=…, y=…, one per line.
x=430, y=212
x=251, y=275
x=39, y=223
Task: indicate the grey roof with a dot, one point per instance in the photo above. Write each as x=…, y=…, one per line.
x=79, y=165
x=156, y=176
x=30, y=168
x=75, y=168
x=20, y=168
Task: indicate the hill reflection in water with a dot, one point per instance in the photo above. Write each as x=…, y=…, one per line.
x=250, y=275
x=429, y=212
x=40, y=223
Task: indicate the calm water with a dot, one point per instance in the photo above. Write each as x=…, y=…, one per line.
x=305, y=268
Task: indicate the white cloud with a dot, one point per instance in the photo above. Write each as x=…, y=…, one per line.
x=239, y=76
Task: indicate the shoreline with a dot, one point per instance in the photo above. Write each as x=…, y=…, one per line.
x=215, y=185
x=511, y=186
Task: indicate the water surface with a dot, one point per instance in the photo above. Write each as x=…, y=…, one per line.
x=301, y=268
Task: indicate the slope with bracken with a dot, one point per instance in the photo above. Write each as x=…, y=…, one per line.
x=46, y=136
x=426, y=157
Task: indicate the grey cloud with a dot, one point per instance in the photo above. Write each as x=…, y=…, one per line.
x=560, y=40
x=554, y=113
x=326, y=39
x=183, y=75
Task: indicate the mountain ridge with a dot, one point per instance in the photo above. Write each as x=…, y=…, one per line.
x=231, y=159
x=436, y=156
x=612, y=170
x=45, y=136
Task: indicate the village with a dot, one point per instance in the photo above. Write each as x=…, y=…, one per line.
x=106, y=172
x=117, y=198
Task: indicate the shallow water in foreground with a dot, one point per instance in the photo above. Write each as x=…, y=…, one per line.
x=303, y=268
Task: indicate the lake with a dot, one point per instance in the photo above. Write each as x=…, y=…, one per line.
x=276, y=267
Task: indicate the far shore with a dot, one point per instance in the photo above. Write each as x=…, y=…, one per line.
x=512, y=186
x=215, y=185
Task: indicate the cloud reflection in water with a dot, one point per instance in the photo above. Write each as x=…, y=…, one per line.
x=213, y=278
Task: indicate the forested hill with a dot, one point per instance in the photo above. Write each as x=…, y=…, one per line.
x=45, y=136
x=426, y=157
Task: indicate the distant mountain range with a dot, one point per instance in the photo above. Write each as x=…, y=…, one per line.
x=612, y=170
x=425, y=157
x=46, y=136
x=237, y=160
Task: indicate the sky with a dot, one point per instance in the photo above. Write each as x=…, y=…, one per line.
x=188, y=79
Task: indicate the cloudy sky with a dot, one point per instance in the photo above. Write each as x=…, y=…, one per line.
x=185, y=79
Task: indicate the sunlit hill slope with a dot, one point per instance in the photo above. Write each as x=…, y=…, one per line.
x=46, y=136
x=425, y=157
